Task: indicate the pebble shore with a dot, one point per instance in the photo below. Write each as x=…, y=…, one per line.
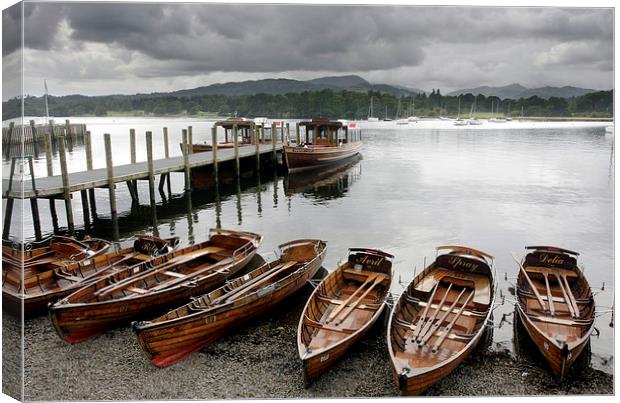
x=258, y=360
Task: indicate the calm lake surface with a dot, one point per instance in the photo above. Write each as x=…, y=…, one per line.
x=495, y=188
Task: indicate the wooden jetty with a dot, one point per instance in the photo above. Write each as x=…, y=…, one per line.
x=62, y=186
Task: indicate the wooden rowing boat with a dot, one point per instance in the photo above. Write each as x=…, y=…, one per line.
x=555, y=305
x=52, y=281
x=326, y=142
x=171, y=337
x=149, y=287
x=58, y=250
x=342, y=309
x=440, y=318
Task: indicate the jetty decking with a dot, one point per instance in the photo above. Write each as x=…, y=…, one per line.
x=98, y=178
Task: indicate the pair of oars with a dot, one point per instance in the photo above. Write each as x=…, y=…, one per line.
x=372, y=281
x=567, y=293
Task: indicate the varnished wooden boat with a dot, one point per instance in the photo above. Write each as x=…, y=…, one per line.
x=555, y=305
x=342, y=309
x=325, y=147
x=440, y=318
x=162, y=282
x=52, y=281
x=171, y=337
x=58, y=250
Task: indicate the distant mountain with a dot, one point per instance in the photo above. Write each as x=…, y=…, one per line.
x=560, y=92
x=341, y=81
x=516, y=91
x=508, y=91
x=284, y=86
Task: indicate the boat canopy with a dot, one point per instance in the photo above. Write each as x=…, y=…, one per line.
x=240, y=123
x=321, y=123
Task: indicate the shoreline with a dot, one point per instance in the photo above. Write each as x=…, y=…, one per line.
x=260, y=360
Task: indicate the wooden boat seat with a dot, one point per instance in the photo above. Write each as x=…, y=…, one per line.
x=173, y=274
x=366, y=307
x=560, y=321
x=583, y=301
x=137, y=290
x=546, y=270
x=482, y=285
x=467, y=312
x=322, y=326
x=362, y=275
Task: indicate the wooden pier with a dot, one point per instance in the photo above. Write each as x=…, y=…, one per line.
x=62, y=186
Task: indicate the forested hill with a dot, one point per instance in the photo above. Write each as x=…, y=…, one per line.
x=329, y=103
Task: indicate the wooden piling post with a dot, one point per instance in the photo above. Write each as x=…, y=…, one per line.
x=188, y=186
x=68, y=136
x=35, y=143
x=190, y=140
x=65, y=183
x=111, y=190
x=85, y=212
x=34, y=204
x=236, y=146
x=132, y=145
x=214, y=150
x=273, y=141
x=288, y=133
x=89, y=166
x=166, y=146
x=149, y=160
x=257, y=145
x=297, y=133
x=9, y=139
x=50, y=172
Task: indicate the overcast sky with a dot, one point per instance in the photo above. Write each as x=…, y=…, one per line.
x=106, y=48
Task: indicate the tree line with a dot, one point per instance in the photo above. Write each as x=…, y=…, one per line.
x=333, y=104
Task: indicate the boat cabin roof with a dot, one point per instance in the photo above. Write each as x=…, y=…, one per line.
x=319, y=123
x=240, y=123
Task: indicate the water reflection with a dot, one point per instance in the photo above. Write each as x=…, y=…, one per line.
x=331, y=182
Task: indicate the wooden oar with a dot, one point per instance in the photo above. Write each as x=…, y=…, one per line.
x=429, y=322
x=437, y=324
x=339, y=308
x=423, y=316
x=549, y=295
x=532, y=286
x=571, y=296
x=353, y=306
x=448, y=329
x=99, y=271
x=255, y=284
x=566, y=298
x=175, y=261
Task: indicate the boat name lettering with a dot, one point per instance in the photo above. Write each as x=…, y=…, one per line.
x=457, y=263
x=555, y=260
x=370, y=260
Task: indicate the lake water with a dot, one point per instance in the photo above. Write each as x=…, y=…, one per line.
x=496, y=188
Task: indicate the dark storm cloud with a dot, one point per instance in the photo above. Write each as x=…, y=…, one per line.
x=417, y=46
x=11, y=29
x=269, y=38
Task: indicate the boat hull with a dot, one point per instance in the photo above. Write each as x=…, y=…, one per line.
x=315, y=365
x=77, y=322
x=171, y=341
x=560, y=361
x=300, y=159
x=418, y=382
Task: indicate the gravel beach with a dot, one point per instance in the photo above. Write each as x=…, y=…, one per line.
x=259, y=360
